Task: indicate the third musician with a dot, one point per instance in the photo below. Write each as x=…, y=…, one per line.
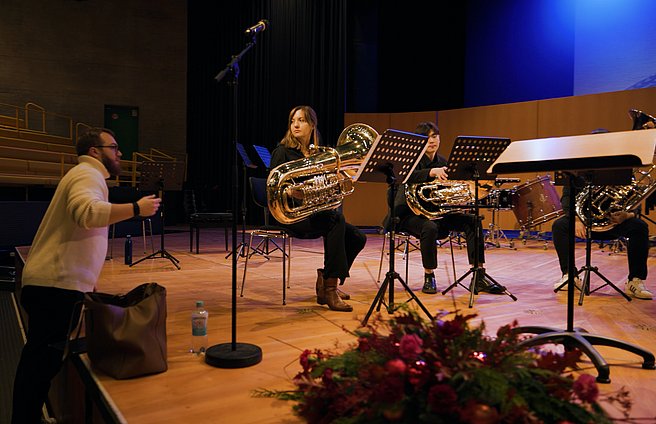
x=627, y=224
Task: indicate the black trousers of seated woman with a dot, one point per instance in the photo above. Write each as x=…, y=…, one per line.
x=341, y=241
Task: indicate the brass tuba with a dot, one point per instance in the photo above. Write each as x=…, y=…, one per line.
x=607, y=199
x=300, y=188
x=435, y=198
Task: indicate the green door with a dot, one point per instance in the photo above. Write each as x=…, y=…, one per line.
x=124, y=121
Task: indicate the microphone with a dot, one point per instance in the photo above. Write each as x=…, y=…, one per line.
x=258, y=27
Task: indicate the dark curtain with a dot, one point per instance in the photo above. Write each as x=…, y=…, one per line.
x=298, y=59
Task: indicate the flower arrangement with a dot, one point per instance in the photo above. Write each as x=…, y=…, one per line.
x=408, y=370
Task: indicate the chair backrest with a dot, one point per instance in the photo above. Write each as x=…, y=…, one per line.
x=258, y=193
x=190, y=202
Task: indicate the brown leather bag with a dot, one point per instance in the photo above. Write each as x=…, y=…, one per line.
x=126, y=334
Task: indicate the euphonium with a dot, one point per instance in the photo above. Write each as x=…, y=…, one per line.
x=607, y=199
x=435, y=198
x=300, y=188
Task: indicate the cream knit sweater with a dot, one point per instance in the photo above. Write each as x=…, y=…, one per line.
x=69, y=248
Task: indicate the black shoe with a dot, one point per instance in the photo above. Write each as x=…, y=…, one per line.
x=430, y=287
x=488, y=286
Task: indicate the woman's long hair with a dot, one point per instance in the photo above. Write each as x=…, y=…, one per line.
x=289, y=140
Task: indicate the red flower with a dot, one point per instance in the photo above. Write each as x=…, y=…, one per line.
x=586, y=388
x=442, y=399
x=395, y=366
x=363, y=344
x=410, y=346
x=304, y=359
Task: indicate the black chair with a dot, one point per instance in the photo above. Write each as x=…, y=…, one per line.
x=200, y=219
x=267, y=234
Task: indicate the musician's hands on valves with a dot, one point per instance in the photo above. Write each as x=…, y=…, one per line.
x=620, y=216
x=439, y=173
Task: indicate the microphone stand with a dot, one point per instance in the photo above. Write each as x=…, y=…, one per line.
x=233, y=354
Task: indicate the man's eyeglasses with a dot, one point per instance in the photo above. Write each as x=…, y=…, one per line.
x=111, y=146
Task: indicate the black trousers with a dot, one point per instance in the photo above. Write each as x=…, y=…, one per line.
x=428, y=232
x=49, y=313
x=341, y=241
x=634, y=229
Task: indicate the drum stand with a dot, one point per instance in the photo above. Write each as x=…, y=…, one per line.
x=525, y=235
x=495, y=233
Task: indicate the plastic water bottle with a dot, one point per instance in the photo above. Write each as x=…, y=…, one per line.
x=199, y=329
x=128, y=250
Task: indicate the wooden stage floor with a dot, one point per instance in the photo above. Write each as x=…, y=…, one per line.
x=192, y=391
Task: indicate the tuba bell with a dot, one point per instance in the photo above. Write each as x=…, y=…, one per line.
x=607, y=199
x=300, y=188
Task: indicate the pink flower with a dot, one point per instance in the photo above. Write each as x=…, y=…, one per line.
x=395, y=366
x=410, y=346
x=586, y=388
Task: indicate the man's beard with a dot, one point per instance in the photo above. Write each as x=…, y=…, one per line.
x=112, y=167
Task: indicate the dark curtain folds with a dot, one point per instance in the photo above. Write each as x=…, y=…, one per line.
x=299, y=59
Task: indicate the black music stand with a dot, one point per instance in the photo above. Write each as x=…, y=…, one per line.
x=161, y=176
x=619, y=150
x=246, y=163
x=469, y=160
x=394, y=155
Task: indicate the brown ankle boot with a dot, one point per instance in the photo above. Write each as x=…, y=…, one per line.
x=332, y=299
x=341, y=294
x=321, y=294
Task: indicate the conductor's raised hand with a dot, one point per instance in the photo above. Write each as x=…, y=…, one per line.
x=148, y=205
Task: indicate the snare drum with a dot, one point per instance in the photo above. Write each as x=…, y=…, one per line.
x=536, y=202
x=500, y=199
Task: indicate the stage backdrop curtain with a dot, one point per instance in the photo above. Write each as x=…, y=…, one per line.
x=298, y=59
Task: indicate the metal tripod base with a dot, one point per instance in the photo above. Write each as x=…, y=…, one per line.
x=379, y=300
x=585, y=281
x=584, y=341
x=233, y=355
x=241, y=248
x=478, y=273
x=163, y=254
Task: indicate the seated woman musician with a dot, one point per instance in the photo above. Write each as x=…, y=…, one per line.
x=341, y=241
x=433, y=166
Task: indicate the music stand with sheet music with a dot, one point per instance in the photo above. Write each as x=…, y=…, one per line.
x=161, y=176
x=620, y=150
x=264, y=154
x=469, y=160
x=392, y=157
x=246, y=164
